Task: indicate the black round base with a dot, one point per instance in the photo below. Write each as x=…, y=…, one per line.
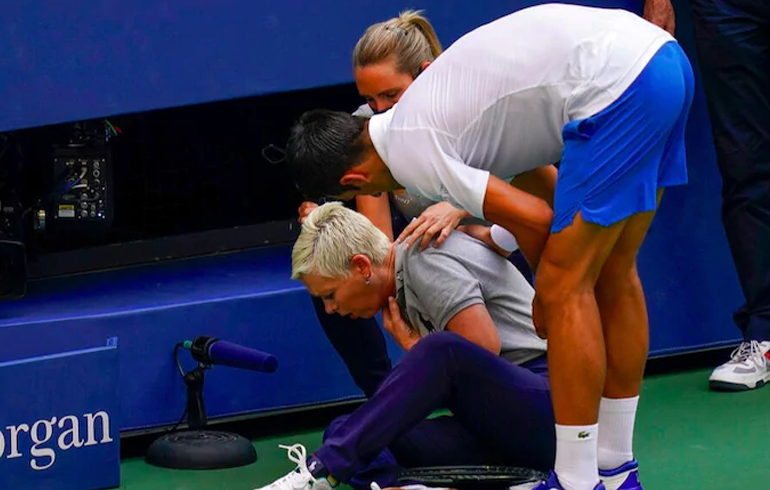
x=201, y=450
x=470, y=477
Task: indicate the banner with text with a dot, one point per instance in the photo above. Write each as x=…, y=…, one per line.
x=57, y=421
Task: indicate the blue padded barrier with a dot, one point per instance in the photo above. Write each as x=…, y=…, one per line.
x=60, y=418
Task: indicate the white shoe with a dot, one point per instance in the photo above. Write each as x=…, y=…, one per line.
x=525, y=486
x=416, y=486
x=748, y=368
x=300, y=478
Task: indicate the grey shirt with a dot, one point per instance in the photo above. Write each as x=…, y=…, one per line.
x=435, y=284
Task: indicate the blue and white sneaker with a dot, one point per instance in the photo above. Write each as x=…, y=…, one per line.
x=625, y=477
x=553, y=484
x=747, y=369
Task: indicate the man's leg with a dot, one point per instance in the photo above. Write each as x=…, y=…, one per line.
x=564, y=283
x=625, y=326
x=733, y=39
x=361, y=345
x=611, y=165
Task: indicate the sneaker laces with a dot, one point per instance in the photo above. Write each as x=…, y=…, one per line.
x=750, y=350
x=300, y=477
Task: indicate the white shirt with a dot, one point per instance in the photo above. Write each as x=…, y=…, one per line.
x=495, y=102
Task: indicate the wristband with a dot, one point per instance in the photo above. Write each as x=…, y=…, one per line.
x=504, y=239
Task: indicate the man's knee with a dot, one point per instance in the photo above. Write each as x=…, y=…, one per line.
x=556, y=284
x=618, y=275
x=572, y=260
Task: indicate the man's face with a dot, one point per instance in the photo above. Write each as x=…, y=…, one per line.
x=370, y=178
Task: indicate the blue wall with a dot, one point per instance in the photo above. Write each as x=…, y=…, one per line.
x=65, y=60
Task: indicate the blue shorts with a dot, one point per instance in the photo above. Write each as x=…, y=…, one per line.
x=614, y=162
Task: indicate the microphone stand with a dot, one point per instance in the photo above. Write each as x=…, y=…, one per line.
x=196, y=408
x=198, y=448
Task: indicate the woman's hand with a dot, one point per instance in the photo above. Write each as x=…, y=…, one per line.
x=305, y=209
x=440, y=218
x=397, y=327
x=483, y=234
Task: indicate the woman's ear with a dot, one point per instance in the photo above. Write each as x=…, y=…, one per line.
x=361, y=264
x=423, y=67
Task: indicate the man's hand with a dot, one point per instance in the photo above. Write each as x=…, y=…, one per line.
x=441, y=218
x=483, y=234
x=660, y=13
x=306, y=208
x=397, y=327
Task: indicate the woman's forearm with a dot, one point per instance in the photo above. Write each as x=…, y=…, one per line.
x=377, y=209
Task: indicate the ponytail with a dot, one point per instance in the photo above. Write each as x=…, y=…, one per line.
x=413, y=19
x=410, y=37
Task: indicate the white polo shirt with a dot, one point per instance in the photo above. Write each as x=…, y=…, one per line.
x=495, y=102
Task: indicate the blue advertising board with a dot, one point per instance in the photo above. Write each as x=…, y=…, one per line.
x=58, y=429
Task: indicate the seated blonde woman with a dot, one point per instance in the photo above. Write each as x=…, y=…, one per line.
x=463, y=314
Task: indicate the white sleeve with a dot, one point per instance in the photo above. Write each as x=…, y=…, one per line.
x=423, y=161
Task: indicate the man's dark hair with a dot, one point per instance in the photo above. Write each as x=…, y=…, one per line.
x=322, y=146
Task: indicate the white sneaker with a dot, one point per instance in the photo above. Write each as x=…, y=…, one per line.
x=300, y=478
x=748, y=368
x=416, y=486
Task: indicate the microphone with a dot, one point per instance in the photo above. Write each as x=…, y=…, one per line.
x=210, y=350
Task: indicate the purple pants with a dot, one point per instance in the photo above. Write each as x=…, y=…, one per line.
x=502, y=414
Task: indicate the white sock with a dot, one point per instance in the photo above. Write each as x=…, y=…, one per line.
x=616, y=431
x=576, y=456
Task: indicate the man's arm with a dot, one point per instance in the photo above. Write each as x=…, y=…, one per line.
x=540, y=182
x=437, y=172
x=526, y=216
x=475, y=324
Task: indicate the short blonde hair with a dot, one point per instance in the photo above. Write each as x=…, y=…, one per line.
x=410, y=37
x=331, y=235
